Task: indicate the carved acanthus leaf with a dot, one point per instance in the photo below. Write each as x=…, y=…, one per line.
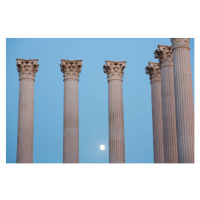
x=114, y=69
x=180, y=42
x=71, y=68
x=154, y=72
x=164, y=54
x=27, y=68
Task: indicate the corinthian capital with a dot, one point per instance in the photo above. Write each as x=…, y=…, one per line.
x=180, y=42
x=71, y=68
x=114, y=69
x=27, y=68
x=164, y=54
x=153, y=70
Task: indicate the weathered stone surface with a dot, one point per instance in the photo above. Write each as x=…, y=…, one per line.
x=71, y=70
x=154, y=72
x=27, y=69
x=164, y=54
x=115, y=71
x=183, y=99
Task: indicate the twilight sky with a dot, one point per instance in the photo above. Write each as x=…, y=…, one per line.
x=93, y=96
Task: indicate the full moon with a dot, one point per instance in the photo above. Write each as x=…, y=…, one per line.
x=102, y=147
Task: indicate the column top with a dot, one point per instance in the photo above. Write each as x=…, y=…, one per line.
x=71, y=68
x=164, y=54
x=154, y=72
x=180, y=42
x=114, y=69
x=71, y=61
x=115, y=62
x=27, y=68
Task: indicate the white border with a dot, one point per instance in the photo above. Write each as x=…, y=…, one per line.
x=98, y=19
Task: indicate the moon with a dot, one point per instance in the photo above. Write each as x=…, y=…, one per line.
x=102, y=147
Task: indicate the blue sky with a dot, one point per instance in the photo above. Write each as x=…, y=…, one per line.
x=93, y=96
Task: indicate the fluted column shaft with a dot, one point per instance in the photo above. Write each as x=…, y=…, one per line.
x=71, y=122
x=157, y=122
x=27, y=70
x=164, y=53
x=169, y=117
x=116, y=122
x=183, y=99
x=114, y=70
x=155, y=76
x=71, y=70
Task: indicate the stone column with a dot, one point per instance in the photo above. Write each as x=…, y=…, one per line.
x=115, y=71
x=164, y=54
x=27, y=70
x=183, y=99
x=71, y=70
x=153, y=69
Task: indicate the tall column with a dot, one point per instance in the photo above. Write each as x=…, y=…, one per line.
x=71, y=70
x=183, y=99
x=27, y=70
x=164, y=54
x=115, y=71
x=153, y=70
